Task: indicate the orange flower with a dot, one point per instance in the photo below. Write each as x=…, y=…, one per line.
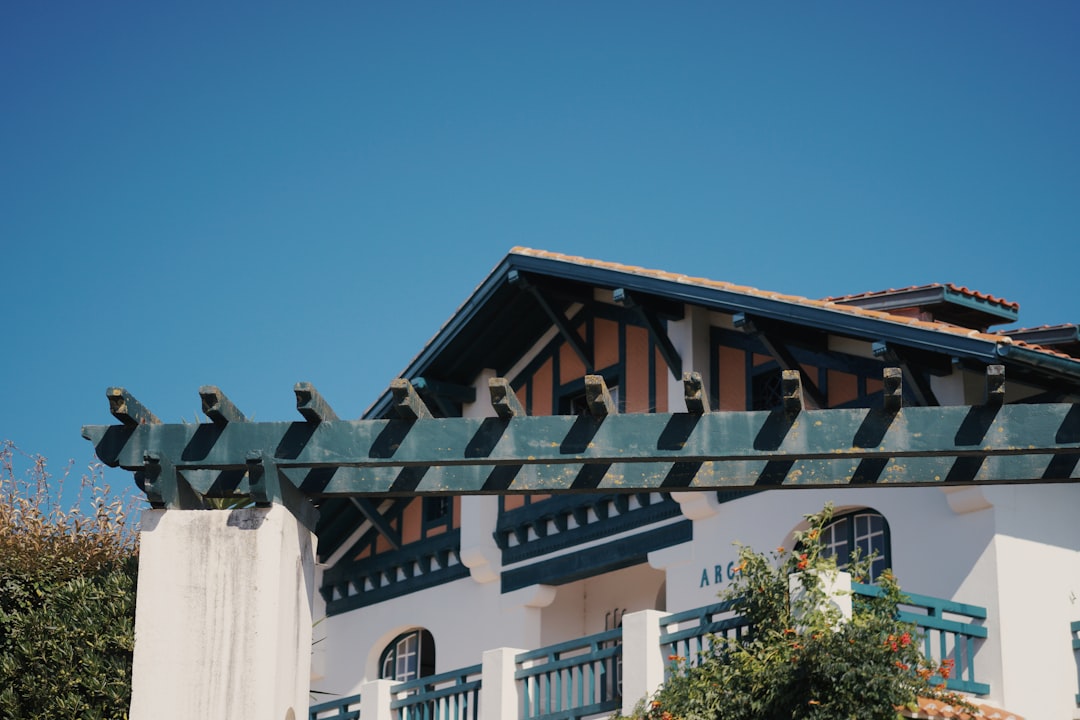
x=812, y=535
x=802, y=562
x=780, y=549
x=905, y=639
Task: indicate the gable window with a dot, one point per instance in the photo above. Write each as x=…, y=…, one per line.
x=409, y=656
x=766, y=390
x=437, y=510
x=865, y=530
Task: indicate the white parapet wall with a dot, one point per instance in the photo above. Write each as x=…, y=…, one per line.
x=223, y=616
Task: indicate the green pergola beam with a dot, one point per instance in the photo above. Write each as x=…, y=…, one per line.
x=635, y=452
x=631, y=438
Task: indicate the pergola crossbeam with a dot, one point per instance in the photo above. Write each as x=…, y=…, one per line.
x=793, y=446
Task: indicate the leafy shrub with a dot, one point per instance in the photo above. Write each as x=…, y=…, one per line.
x=801, y=661
x=67, y=597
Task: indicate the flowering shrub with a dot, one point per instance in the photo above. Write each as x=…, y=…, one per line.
x=801, y=660
x=67, y=598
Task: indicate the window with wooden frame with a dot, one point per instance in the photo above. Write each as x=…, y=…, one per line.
x=409, y=656
x=864, y=531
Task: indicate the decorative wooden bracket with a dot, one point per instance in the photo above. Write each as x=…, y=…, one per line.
x=917, y=382
x=447, y=396
x=656, y=329
x=557, y=318
x=597, y=397
x=792, y=390
x=372, y=514
x=894, y=389
x=781, y=354
x=697, y=401
x=125, y=408
x=219, y=408
x=504, y=400
x=311, y=405
x=995, y=386
x=407, y=404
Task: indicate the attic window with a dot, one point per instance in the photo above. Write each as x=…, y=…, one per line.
x=436, y=510
x=766, y=390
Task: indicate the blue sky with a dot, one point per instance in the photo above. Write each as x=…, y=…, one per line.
x=255, y=194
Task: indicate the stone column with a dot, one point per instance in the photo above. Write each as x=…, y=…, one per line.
x=643, y=661
x=499, y=690
x=375, y=699
x=223, y=616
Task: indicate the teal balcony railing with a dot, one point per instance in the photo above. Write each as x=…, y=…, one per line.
x=347, y=708
x=1074, y=631
x=571, y=680
x=949, y=630
x=582, y=678
x=447, y=696
x=689, y=634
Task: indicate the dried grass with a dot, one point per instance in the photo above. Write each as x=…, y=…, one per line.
x=35, y=527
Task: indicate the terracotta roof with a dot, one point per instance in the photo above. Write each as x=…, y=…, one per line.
x=1046, y=337
x=1037, y=328
x=975, y=294
x=830, y=304
x=934, y=709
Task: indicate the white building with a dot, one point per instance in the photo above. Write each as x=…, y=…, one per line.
x=419, y=586
x=516, y=604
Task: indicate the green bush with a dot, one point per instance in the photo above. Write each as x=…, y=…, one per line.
x=67, y=598
x=801, y=661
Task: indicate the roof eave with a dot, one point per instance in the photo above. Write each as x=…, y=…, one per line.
x=830, y=319
x=1056, y=364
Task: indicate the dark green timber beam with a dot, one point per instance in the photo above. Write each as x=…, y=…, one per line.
x=656, y=329
x=371, y=514
x=288, y=461
x=917, y=381
x=780, y=353
x=557, y=318
x=449, y=397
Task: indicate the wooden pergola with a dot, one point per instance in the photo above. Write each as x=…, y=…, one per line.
x=321, y=456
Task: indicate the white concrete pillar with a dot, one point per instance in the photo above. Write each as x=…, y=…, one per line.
x=223, y=616
x=643, y=660
x=498, y=689
x=375, y=697
x=836, y=587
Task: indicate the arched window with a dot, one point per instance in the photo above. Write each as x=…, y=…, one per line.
x=409, y=656
x=863, y=529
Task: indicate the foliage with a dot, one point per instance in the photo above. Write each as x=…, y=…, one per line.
x=67, y=597
x=801, y=660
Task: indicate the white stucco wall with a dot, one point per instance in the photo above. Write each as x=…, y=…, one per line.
x=222, y=625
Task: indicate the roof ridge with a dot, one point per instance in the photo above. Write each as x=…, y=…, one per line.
x=962, y=289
